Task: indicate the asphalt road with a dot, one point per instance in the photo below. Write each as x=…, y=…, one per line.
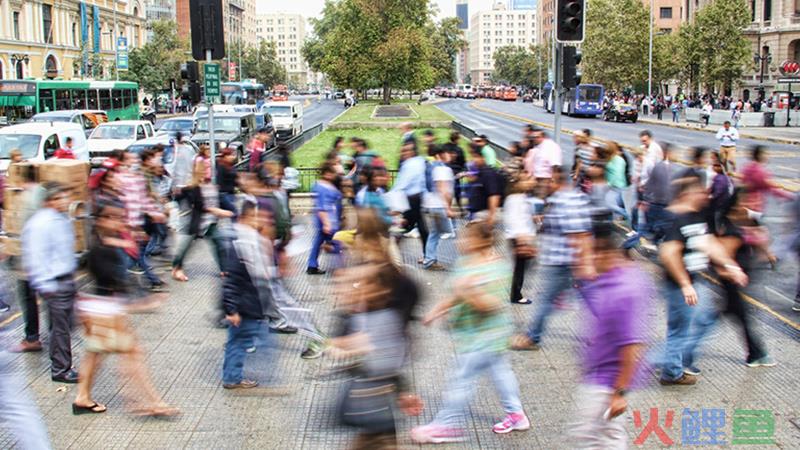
x=771, y=289
x=784, y=158
x=313, y=114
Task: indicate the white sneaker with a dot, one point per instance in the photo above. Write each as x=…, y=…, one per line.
x=413, y=234
x=447, y=236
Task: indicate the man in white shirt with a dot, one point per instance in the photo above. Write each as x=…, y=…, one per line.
x=436, y=203
x=653, y=154
x=705, y=114
x=727, y=137
x=539, y=161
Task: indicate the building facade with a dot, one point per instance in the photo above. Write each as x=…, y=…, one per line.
x=521, y=4
x=668, y=15
x=43, y=39
x=491, y=30
x=462, y=58
x=545, y=15
x=238, y=16
x=158, y=10
x=288, y=32
x=775, y=37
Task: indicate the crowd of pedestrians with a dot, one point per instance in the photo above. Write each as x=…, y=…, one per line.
x=560, y=223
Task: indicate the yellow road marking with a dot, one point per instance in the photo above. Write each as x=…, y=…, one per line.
x=10, y=319
x=685, y=162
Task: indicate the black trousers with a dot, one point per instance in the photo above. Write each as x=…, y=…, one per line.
x=413, y=218
x=518, y=279
x=30, y=310
x=737, y=308
x=60, y=307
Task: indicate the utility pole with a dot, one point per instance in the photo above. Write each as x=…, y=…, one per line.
x=650, y=58
x=558, y=63
x=211, y=142
x=114, y=37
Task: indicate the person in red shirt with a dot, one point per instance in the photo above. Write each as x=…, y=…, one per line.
x=66, y=151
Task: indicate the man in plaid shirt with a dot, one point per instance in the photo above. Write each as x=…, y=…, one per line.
x=563, y=242
x=138, y=204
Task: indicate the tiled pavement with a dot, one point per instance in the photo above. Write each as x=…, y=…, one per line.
x=184, y=353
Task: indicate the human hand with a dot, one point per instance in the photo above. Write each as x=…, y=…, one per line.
x=235, y=319
x=410, y=404
x=617, y=406
x=689, y=294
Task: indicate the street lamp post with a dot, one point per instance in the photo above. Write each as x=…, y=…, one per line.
x=760, y=60
x=114, y=38
x=650, y=56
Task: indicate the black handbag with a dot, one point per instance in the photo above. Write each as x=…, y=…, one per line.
x=368, y=403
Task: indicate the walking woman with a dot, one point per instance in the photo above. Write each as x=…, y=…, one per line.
x=202, y=198
x=518, y=212
x=105, y=321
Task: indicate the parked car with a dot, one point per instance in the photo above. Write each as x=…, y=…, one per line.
x=168, y=142
x=117, y=135
x=621, y=113
x=527, y=98
x=182, y=125
x=230, y=130
x=287, y=117
x=88, y=119
x=39, y=142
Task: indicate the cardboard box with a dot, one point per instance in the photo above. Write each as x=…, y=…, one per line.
x=17, y=174
x=11, y=246
x=13, y=199
x=13, y=222
x=68, y=172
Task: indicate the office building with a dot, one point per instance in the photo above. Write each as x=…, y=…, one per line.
x=288, y=32
x=521, y=4
x=158, y=10
x=491, y=30
x=44, y=39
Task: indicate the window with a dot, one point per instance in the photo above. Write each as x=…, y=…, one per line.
x=78, y=99
x=665, y=13
x=47, y=23
x=753, y=10
x=116, y=99
x=666, y=30
x=105, y=99
x=74, y=34
x=91, y=99
x=16, y=24
x=45, y=100
x=50, y=145
x=62, y=100
x=767, y=10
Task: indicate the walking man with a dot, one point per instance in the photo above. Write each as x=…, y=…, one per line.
x=436, y=205
x=411, y=182
x=727, y=137
x=48, y=257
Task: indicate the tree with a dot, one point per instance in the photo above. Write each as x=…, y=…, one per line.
x=715, y=43
x=155, y=63
x=446, y=42
x=615, y=52
x=261, y=62
x=521, y=66
x=666, y=65
x=364, y=44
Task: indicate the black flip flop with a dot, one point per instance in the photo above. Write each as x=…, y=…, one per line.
x=92, y=409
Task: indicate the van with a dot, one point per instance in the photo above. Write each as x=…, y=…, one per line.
x=89, y=119
x=39, y=141
x=287, y=118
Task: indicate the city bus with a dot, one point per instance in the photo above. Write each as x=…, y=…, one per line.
x=243, y=93
x=583, y=100
x=21, y=99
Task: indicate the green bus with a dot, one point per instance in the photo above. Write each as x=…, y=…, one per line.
x=21, y=99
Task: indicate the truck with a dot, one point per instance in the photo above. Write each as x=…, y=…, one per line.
x=280, y=93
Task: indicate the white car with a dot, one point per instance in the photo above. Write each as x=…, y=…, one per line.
x=117, y=135
x=39, y=141
x=287, y=118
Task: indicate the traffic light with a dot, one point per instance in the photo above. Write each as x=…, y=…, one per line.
x=191, y=92
x=570, y=20
x=189, y=71
x=572, y=73
x=205, y=17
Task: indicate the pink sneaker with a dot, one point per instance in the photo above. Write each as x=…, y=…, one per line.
x=436, y=434
x=512, y=422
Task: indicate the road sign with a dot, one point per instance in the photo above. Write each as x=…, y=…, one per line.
x=788, y=80
x=211, y=72
x=789, y=68
x=122, y=53
x=231, y=71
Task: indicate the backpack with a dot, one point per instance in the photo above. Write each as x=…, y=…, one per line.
x=628, y=168
x=429, y=166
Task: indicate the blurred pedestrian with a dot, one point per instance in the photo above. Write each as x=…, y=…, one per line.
x=48, y=257
x=65, y=152
x=327, y=211
x=728, y=136
x=518, y=212
x=541, y=159
x=481, y=327
x=18, y=410
x=436, y=205
x=411, y=182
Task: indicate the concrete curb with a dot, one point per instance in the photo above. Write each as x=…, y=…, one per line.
x=475, y=105
x=708, y=130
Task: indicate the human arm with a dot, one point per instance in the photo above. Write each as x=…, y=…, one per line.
x=629, y=360
x=671, y=257
x=439, y=310
x=444, y=191
x=36, y=257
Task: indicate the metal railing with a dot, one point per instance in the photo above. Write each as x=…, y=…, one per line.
x=308, y=175
x=293, y=144
x=470, y=134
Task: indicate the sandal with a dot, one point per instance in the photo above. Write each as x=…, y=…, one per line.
x=523, y=343
x=94, y=408
x=178, y=275
x=522, y=301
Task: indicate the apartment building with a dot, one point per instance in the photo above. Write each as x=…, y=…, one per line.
x=491, y=30
x=288, y=32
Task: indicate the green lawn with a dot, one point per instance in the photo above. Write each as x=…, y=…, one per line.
x=384, y=141
x=363, y=113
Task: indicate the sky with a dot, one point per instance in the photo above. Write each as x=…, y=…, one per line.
x=312, y=8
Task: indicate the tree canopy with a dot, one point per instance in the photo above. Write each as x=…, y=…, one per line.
x=159, y=60
x=521, y=66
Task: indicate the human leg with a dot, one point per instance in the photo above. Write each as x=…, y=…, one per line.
x=518, y=279
x=705, y=316
x=679, y=320
x=737, y=308
x=18, y=410
x=433, y=220
x=505, y=382
x=60, y=308
x=239, y=338
x=459, y=393
x=184, y=244
x=30, y=310
x=319, y=238
x=557, y=280
x=89, y=365
x=590, y=429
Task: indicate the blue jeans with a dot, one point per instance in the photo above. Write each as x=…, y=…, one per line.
x=157, y=239
x=320, y=238
x=616, y=203
x=557, y=279
x=438, y=223
x=144, y=264
x=249, y=332
x=18, y=410
x=686, y=327
x=470, y=367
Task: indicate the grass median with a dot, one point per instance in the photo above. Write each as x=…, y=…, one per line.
x=422, y=113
